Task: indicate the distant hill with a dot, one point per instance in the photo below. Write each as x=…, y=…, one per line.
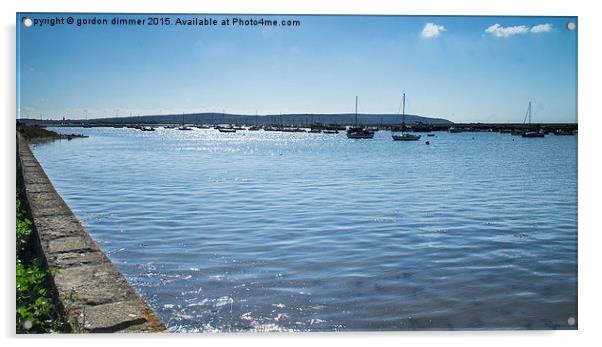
x=285, y=119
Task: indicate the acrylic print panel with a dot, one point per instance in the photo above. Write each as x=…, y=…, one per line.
x=255, y=173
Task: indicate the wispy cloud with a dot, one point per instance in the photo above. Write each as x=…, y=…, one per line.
x=500, y=31
x=432, y=30
x=541, y=28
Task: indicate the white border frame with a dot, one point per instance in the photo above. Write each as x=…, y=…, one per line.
x=589, y=170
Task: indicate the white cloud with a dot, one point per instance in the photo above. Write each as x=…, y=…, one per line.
x=541, y=28
x=432, y=30
x=500, y=31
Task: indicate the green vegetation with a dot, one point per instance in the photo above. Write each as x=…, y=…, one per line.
x=34, y=131
x=36, y=312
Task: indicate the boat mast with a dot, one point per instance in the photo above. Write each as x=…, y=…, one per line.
x=528, y=115
x=356, y=110
x=403, y=113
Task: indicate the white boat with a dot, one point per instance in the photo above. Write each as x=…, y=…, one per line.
x=182, y=125
x=533, y=134
x=404, y=136
x=359, y=132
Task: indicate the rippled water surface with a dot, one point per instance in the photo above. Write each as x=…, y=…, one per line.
x=262, y=231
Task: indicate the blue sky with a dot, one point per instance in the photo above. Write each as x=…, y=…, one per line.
x=466, y=69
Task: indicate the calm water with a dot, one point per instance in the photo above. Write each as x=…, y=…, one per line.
x=262, y=231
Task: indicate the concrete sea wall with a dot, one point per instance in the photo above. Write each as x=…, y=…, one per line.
x=90, y=291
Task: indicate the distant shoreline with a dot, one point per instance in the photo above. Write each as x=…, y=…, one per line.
x=240, y=119
x=416, y=127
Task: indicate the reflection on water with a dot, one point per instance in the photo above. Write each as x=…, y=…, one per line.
x=268, y=231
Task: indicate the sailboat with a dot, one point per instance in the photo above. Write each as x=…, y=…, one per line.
x=256, y=126
x=531, y=133
x=359, y=132
x=314, y=128
x=183, y=126
x=404, y=136
x=229, y=128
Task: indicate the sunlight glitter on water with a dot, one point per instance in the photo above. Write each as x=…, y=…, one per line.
x=268, y=231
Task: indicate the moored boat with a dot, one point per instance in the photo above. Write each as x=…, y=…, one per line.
x=357, y=132
x=533, y=134
x=404, y=136
x=530, y=133
x=560, y=132
x=183, y=126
